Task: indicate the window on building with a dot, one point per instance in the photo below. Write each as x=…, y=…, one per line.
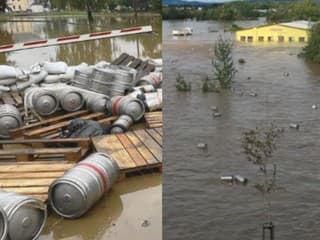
x=261, y=39
x=301, y=39
x=19, y=7
x=291, y=39
x=270, y=39
x=250, y=39
x=14, y=7
x=281, y=39
x=242, y=38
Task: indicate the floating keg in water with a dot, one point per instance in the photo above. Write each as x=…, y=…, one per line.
x=122, y=124
x=97, y=104
x=44, y=102
x=71, y=100
x=3, y=224
x=10, y=118
x=81, y=79
x=78, y=189
x=26, y=215
x=126, y=105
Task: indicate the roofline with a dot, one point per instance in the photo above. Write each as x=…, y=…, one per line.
x=266, y=25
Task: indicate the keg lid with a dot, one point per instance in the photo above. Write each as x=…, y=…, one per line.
x=46, y=104
x=67, y=200
x=27, y=221
x=116, y=129
x=3, y=224
x=8, y=122
x=72, y=101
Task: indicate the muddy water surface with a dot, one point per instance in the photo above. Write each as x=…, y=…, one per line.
x=197, y=205
x=123, y=212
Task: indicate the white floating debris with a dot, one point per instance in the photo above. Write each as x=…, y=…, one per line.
x=314, y=107
x=213, y=108
x=240, y=179
x=234, y=178
x=217, y=114
x=202, y=145
x=253, y=94
x=227, y=178
x=294, y=125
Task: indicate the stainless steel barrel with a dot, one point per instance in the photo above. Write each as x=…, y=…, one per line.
x=26, y=216
x=82, y=79
x=3, y=224
x=153, y=78
x=10, y=118
x=122, y=124
x=97, y=104
x=44, y=102
x=71, y=100
x=154, y=100
x=102, y=80
x=81, y=187
x=126, y=105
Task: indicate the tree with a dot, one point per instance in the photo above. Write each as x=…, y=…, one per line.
x=259, y=145
x=222, y=63
x=3, y=5
x=312, y=50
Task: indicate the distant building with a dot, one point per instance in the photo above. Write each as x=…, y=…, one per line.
x=18, y=5
x=37, y=8
x=291, y=32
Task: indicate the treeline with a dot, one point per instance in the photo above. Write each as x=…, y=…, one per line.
x=273, y=11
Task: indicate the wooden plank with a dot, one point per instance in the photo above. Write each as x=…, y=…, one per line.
x=147, y=155
x=41, y=197
x=19, y=168
x=32, y=175
x=42, y=182
x=7, y=99
x=135, y=155
x=111, y=145
x=17, y=98
x=121, y=58
x=150, y=143
x=155, y=135
x=135, y=64
x=159, y=130
x=27, y=190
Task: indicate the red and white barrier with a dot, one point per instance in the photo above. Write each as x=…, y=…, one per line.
x=75, y=38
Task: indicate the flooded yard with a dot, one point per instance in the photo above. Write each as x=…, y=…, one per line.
x=197, y=205
x=133, y=208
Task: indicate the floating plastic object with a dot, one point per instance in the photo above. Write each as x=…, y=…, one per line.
x=253, y=94
x=217, y=114
x=294, y=125
x=234, y=179
x=71, y=100
x=82, y=186
x=10, y=118
x=122, y=124
x=202, y=145
x=214, y=108
x=240, y=179
x=314, y=107
x=126, y=105
x=3, y=225
x=26, y=215
x=227, y=178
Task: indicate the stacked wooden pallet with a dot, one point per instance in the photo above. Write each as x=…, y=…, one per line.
x=153, y=119
x=30, y=166
x=127, y=60
x=51, y=127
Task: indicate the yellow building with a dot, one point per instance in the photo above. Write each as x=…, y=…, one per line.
x=18, y=5
x=292, y=32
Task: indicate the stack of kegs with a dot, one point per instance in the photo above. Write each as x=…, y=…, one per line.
x=10, y=118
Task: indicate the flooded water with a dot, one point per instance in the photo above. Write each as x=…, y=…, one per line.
x=142, y=45
x=122, y=212
x=197, y=205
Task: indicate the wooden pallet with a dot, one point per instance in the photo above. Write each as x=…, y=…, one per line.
x=134, y=151
x=51, y=127
x=153, y=119
x=32, y=178
x=127, y=60
x=12, y=98
x=69, y=150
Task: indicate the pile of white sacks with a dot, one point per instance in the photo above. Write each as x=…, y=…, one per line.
x=47, y=89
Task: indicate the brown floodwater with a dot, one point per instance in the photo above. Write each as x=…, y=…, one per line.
x=197, y=205
x=121, y=213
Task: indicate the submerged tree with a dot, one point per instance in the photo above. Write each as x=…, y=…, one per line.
x=223, y=68
x=181, y=84
x=259, y=145
x=312, y=50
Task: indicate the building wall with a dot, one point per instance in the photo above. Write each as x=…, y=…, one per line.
x=273, y=33
x=18, y=5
